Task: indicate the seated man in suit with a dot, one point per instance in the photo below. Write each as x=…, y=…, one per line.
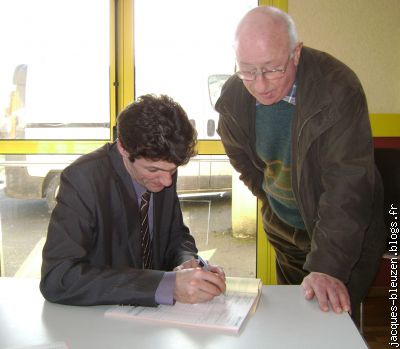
x=101, y=248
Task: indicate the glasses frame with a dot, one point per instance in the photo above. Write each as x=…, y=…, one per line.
x=264, y=72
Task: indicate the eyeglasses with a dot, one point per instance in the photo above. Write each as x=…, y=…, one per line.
x=269, y=74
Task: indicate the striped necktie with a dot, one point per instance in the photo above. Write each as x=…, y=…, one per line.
x=145, y=232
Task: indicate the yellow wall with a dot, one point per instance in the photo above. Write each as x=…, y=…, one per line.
x=365, y=34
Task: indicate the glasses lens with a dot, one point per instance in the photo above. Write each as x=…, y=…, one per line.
x=270, y=75
x=274, y=75
x=245, y=75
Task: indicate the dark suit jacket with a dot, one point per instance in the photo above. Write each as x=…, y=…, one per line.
x=92, y=254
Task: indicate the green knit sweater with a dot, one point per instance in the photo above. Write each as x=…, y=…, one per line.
x=273, y=144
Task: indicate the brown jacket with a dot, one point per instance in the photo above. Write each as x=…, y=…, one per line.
x=334, y=179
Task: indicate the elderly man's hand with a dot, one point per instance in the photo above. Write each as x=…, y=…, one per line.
x=327, y=289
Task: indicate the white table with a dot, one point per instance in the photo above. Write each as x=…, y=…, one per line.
x=283, y=320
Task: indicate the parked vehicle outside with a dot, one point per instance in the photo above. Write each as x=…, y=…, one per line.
x=37, y=176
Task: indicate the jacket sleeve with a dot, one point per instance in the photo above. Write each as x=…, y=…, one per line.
x=236, y=141
x=77, y=266
x=345, y=205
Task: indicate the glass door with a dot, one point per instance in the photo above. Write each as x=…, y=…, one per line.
x=184, y=49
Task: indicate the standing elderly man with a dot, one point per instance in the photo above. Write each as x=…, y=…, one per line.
x=116, y=235
x=294, y=123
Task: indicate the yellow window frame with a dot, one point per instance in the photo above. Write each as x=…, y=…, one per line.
x=22, y=146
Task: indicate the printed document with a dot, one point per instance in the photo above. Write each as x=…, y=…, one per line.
x=225, y=312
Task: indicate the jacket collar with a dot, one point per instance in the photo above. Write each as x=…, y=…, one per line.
x=119, y=167
x=312, y=94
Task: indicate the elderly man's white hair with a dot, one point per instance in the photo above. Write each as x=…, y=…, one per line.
x=273, y=15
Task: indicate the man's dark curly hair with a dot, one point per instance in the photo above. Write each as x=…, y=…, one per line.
x=157, y=128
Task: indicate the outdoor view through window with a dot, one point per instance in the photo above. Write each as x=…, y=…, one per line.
x=54, y=84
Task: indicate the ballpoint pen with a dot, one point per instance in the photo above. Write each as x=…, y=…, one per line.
x=202, y=262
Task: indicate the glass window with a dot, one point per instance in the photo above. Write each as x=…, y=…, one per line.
x=184, y=50
x=220, y=213
x=224, y=233
x=28, y=185
x=71, y=101
x=180, y=45
x=54, y=69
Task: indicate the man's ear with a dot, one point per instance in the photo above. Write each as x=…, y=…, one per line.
x=121, y=149
x=297, y=53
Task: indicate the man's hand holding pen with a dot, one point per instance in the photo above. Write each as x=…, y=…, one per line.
x=198, y=281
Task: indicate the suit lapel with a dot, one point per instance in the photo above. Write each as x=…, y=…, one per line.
x=158, y=241
x=162, y=204
x=129, y=205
